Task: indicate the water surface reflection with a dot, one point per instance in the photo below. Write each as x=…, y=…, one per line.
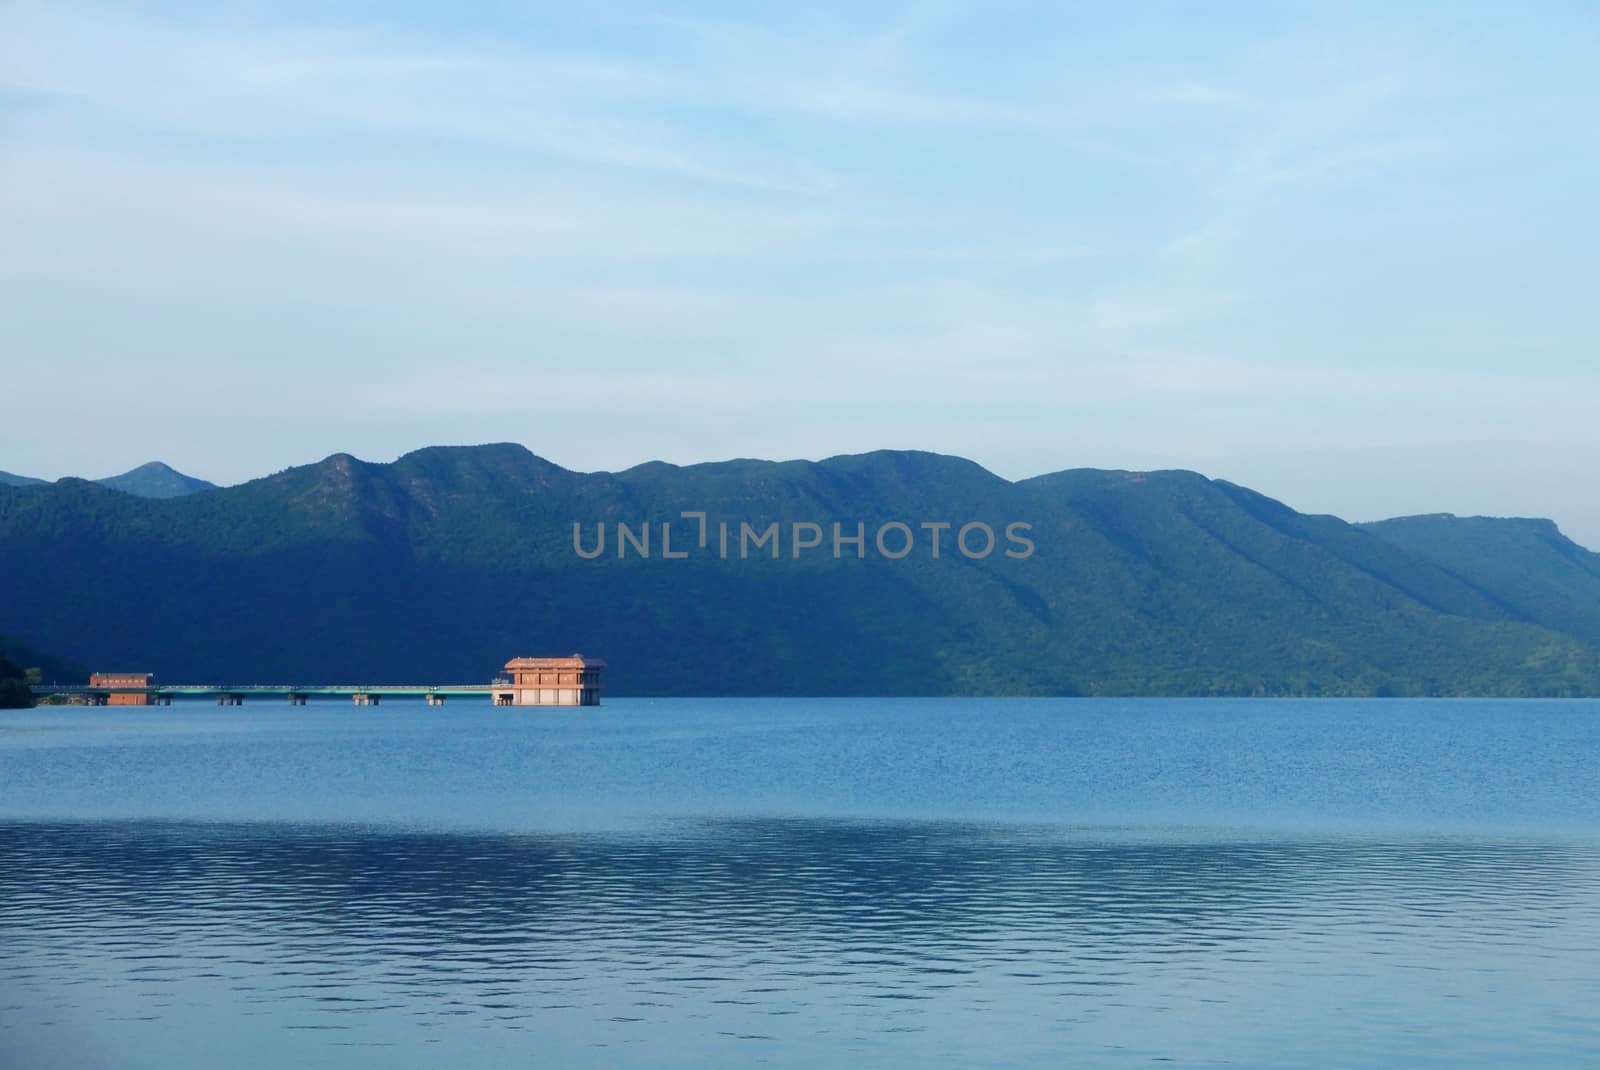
x=790, y=942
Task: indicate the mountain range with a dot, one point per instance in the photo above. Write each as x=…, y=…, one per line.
x=443, y=564
x=152, y=480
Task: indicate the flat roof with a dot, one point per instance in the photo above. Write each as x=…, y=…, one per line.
x=572, y=661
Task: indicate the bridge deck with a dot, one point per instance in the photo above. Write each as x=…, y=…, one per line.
x=275, y=689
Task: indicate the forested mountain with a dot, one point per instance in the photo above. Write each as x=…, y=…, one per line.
x=440, y=566
x=1531, y=570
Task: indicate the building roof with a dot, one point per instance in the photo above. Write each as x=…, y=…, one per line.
x=572, y=661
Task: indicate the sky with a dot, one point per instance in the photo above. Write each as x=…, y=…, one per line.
x=1343, y=254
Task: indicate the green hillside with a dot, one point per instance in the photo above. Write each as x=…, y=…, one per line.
x=1526, y=566
x=443, y=564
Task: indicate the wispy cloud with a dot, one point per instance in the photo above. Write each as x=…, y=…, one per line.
x=245, y=87
x=1042, y=240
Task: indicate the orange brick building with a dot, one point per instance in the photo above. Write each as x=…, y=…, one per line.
x=114, y=680
x=573, y=681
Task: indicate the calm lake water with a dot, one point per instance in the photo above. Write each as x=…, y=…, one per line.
x=803, y=882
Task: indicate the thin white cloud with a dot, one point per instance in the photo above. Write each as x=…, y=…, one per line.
x=756, y=238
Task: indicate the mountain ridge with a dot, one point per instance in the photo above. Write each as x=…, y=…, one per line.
x=450, y=559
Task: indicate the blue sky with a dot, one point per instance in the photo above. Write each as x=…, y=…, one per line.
x=1343, y=254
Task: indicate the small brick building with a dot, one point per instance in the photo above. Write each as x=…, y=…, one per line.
x=571, y=681
x=115, y=680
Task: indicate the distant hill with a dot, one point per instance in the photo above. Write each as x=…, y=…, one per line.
x=440, y=566
x=156, y=480
x=152, y=480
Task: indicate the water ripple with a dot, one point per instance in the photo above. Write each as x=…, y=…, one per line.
x=910, y=942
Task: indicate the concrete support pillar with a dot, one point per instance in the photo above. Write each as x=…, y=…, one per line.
x=435, y=700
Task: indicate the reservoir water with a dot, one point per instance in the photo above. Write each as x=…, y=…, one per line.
x=798, y=882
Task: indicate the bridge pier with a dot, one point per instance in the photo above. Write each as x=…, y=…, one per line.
x=296, y=700
x=435, y=700
x=230, y=700
x=365, y=698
